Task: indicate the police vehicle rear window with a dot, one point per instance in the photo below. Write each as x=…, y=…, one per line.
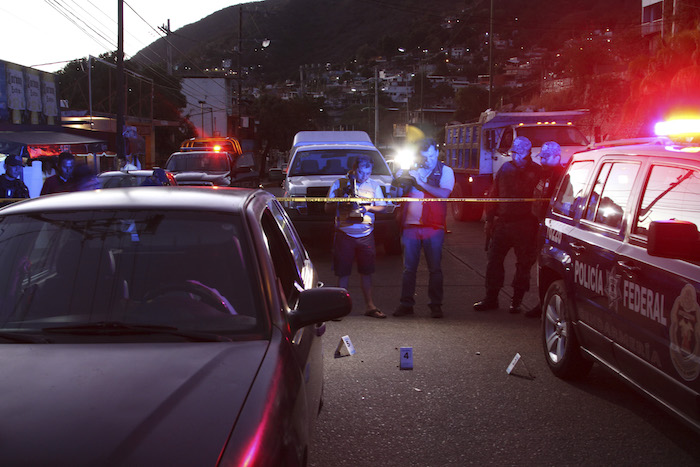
x=670, y=193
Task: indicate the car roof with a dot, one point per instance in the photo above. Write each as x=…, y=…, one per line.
x=121, y=173
x=128, y=198
x=202, y=152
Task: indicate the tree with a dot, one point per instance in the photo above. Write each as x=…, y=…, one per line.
x=471, y=101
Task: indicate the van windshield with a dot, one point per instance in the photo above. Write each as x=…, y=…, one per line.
x=564, y=135
x=334, y=162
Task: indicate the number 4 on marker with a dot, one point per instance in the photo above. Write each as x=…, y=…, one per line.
x=406, y=360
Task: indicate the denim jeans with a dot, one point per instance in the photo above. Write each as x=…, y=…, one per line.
x=429, y=240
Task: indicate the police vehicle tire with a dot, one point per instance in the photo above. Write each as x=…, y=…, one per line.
x=561, y=347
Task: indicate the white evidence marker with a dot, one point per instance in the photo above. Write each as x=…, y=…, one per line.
x=345, y=347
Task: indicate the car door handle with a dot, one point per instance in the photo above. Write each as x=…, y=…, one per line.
x=630, y=270
x=577, y=247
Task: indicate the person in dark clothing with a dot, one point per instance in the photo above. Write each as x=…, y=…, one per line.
x=423, y=228
x=10, y=183
x=511, y=225
x=63, y=180
x=552, y=172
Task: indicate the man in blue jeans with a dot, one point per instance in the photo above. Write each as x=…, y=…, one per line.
x=423, y=227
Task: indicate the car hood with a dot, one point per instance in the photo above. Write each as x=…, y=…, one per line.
x=299, y=184
x=98, y=404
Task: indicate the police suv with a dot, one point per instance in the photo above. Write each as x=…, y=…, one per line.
x=619, y=270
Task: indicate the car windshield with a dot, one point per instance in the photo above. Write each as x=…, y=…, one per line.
x=116, y=181
x=334, y=162
x=564, y=135
x=199, y=162
x=126, y=273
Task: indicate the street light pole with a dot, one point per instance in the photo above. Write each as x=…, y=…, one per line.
x=201, y=112
x=121, y=94
x=238, y=75
x=491, y=55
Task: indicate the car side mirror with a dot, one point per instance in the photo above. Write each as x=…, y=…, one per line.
x=674, y=239
x=319, y=305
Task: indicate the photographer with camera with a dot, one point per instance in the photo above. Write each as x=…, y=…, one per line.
x=354, y=228
x=423, y=225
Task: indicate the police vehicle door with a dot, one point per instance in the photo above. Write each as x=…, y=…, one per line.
x=659, y=296
x=600, y=234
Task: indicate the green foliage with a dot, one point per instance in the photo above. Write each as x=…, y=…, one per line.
x=471, y=101
x=280, y=119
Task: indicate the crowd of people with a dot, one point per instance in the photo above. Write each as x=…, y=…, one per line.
x=68, y=176
x=508, y=225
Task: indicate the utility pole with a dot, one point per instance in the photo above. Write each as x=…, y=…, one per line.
x=201, y=111
x=376, y=105
x=168, y=46
x=238, y=75
x=121, y=90
x=491, y=55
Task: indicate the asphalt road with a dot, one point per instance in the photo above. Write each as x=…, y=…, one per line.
x=458, y=406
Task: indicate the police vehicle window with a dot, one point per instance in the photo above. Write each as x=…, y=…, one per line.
x=572, y=188
x=594, y=199
x=670, y=193
x=612, y=188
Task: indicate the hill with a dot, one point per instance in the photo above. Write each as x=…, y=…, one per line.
x=339, y=31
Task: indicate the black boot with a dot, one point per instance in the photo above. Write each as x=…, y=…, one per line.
x=515, y=303
x=488, y=303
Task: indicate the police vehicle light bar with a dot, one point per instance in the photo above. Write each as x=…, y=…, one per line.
x=686, y=126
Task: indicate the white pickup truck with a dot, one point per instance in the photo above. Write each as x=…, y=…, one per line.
x=319, y=158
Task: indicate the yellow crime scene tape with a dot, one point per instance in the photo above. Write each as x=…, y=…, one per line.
x=320, y=199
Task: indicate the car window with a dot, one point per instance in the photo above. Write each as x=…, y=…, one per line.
x=670, y=193
x=334, y=162
x=506, y=141
x=188, y=270
x=245, y=160
x=611, y=193
x=572, y=188
x=199, y=162
x=118, y=181
x=286, y=268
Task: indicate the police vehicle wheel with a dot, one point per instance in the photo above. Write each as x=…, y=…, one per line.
x=561, y=348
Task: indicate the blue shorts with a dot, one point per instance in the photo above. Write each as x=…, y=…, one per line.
x=347, y=248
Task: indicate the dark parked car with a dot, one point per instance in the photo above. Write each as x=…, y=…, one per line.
x=175, y=326
x=125, y=178
x=619, y=271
